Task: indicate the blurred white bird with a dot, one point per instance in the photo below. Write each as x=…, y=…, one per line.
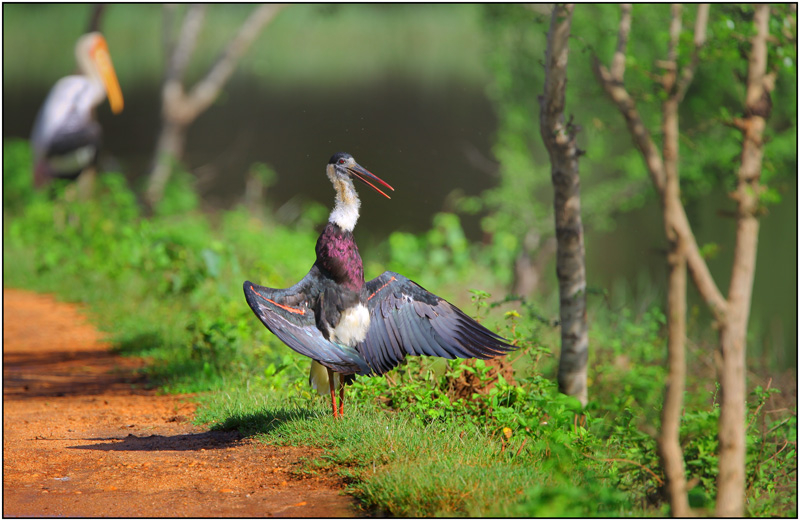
x=66, y=135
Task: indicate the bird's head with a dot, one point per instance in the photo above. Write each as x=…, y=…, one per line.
x=342, y=167
x=92, y=54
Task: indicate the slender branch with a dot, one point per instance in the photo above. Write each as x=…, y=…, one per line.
x=179, y=110
x=641, y=137
x=206, y=91
x=623, y=460
x=778, y=426
x=758, y=409
x=687, y=74
x=167, y=36
x=675, y=25
x=521, y=447
x=618, y=61
x=174, y=100
x=187, y=41
x=555, y=81
x=757, y=69
x=785, y=443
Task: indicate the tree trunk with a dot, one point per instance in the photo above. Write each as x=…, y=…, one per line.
x=669, y=440
x=733, y=333
x=559, y=138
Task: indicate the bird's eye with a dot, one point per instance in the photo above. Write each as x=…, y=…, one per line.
x=341, y=161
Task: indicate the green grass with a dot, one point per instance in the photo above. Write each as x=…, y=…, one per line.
x=169, y=287
x=407, y=469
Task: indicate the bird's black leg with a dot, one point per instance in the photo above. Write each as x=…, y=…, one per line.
x=333, y=392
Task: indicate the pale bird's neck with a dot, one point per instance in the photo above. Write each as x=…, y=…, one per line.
x=345, y=212
x=96, y=92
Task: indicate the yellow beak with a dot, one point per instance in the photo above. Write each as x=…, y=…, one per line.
x=102, y=60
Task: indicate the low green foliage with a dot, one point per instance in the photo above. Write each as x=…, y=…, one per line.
x=168, y=288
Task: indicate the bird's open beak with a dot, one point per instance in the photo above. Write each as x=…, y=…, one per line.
x=102, y=60
x=364, y=175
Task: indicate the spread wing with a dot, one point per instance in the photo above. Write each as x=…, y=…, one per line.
x=406, y=319
x=289, y=314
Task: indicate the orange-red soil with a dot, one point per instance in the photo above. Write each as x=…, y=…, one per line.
x=83, y=437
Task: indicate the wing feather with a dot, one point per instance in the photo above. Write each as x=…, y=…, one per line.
x=288, y=313
x=425, y=331
x=383, y=357
x=392, y=350
x=406, y=320
x=453, y=326
x=411, y=342
x=386, y=333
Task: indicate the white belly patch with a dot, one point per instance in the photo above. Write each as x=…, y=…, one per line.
x=77, y=159
x=352, y=327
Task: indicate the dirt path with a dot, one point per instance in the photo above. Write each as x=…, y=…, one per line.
x=80, y=439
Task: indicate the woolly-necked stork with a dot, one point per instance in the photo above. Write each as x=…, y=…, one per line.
x=351, y=327
x=66, y=135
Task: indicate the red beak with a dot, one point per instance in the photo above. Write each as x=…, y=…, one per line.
x=364, y=175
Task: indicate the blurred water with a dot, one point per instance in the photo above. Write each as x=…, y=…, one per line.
x=426, y=142
x=423, y=142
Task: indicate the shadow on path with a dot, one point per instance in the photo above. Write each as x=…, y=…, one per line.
x=182, y=442
x=265, y=421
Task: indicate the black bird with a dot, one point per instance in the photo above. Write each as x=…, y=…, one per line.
x=66, y=135
x=349, y=326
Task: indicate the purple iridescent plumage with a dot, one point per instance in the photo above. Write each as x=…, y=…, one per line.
x=337, y=254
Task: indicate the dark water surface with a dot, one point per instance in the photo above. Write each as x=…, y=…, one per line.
x=425, y=142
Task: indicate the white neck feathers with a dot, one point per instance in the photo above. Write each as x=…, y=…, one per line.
x=345, y=213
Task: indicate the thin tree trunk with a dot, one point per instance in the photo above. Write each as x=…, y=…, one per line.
x=669, y=440
x=169, y=148
x=733, y=334
x=559, y=138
